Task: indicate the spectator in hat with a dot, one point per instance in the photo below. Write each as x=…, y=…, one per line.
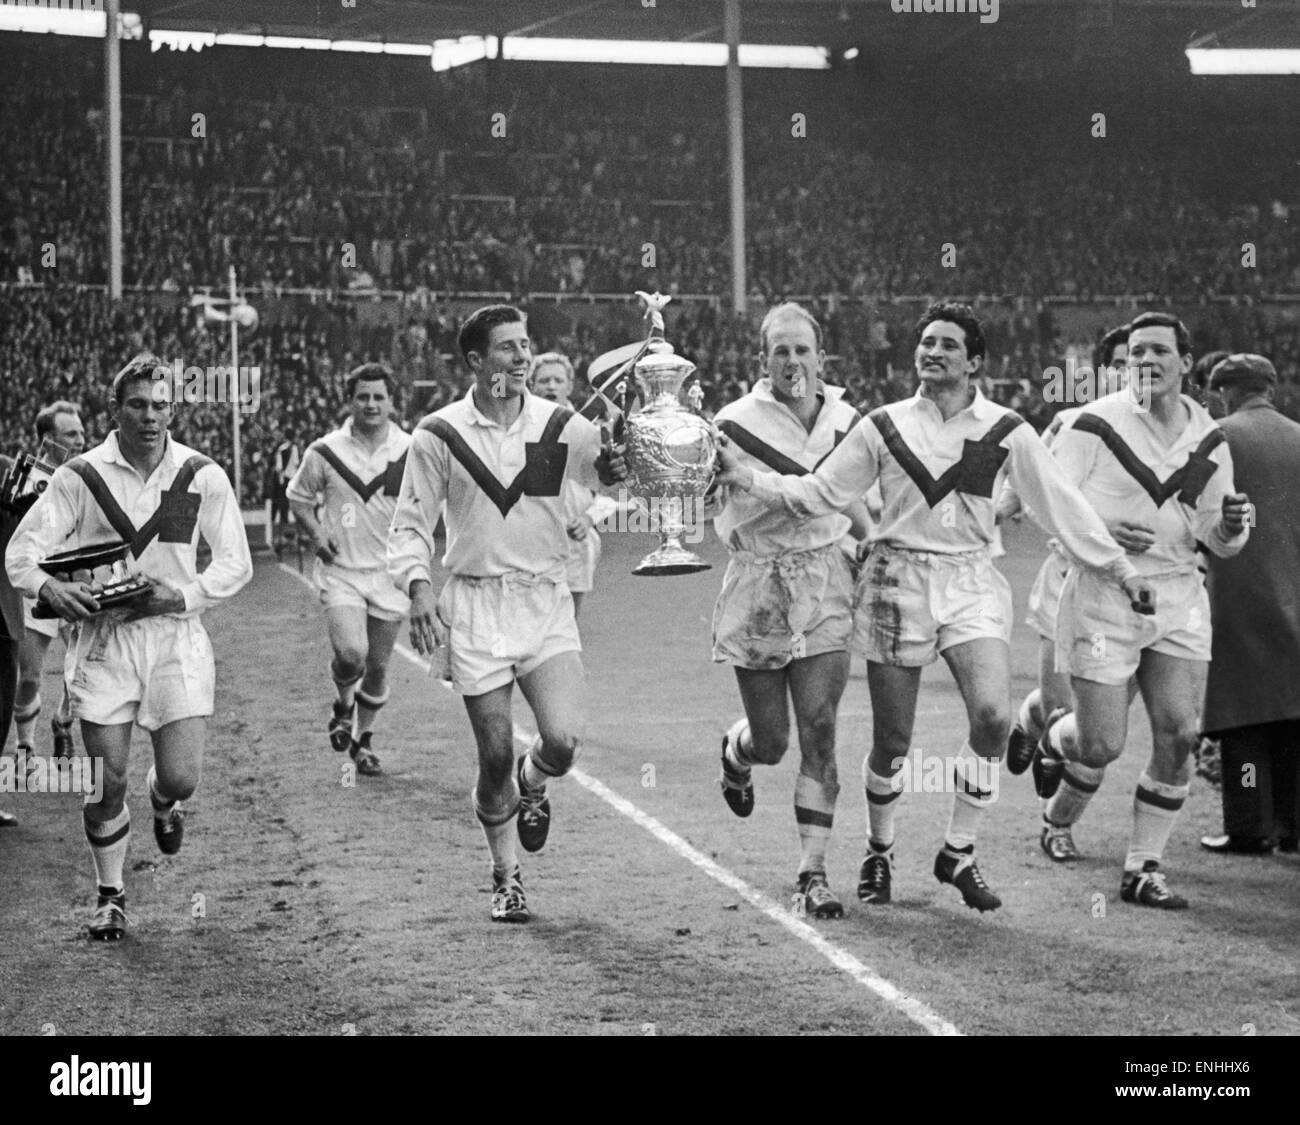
x=1252, y=701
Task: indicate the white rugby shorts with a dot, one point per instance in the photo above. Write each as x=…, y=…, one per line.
x=153, y=671
x=776, y=608
x=910, y=606
x=504, y=627
x=371, y=590
x=1100, y=638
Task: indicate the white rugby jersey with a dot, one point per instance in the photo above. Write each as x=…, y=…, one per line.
x=1115, y=455
x=938, y=481
x=766, y=435
x=98, y=497
x=359, y=489
x=502, y=488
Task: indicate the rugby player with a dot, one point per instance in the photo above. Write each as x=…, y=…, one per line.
x=60, y=422
x=1052, y=696
x=150, y=664
x=929, y=588
x=497, y=461
x=784, y=616
x=356, y=470
x=552, y=379
x=1157, y=469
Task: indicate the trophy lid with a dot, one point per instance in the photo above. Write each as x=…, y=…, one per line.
x=86, y=558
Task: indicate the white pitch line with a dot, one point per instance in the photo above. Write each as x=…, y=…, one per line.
x=915, y=1010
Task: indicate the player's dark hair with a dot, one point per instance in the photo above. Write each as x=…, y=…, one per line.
x=1199, y=376
x=1104, y=352
x=369, y=373
x=142, y=367
x=45, y=417
x=961, y=315
x=477, y=330
x=1165, y=320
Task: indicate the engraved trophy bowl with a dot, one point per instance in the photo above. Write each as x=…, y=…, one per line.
x=671, y=451
x=104, y=563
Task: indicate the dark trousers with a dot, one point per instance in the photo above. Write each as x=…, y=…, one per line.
x=8, y=684
x=1260, y=767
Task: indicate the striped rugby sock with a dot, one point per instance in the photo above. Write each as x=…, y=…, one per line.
x=368, y=707
x=1155, y=808
x=882, y=801
x=108, y=840
x=975, y=781
x=498, y=829
x=1030, y=716
x=1078, y=784
x=814, y=814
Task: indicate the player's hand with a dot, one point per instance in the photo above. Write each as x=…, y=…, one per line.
x=611, y=466
x=1238, y=513
x=159, y=599
x=1141, y=595
x=578, y=527
x=72, y=601
x=1134, y=537
x=328, y=551
x=427, y=630
x=730, y=470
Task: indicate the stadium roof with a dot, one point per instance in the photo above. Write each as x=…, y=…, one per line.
x=870, y=25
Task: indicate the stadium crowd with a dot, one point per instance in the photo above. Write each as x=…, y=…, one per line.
x=350, y=178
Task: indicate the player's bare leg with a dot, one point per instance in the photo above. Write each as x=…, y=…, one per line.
x=556, y=692
x=982, y=669
x=1173, y=689
x=348, y=640
x=32, y=649
x=1051, y=695
x=816, y=685
x=372, y=694
x=893, y=693
x=759, y=739
x=178, y=764
x=107, y=824
x=496, y=797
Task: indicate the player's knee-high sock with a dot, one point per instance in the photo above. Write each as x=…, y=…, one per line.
x=540, y=767
x=882, y=800
x=368, y=706
x=814, y=813
x=346, y=688
x=976, y=783
x=1078, y=784
x=1031, y=717
x=1155, y=808
x=162, y=806
x=498, y=829
x=108, y=840
x=1064, y=739
x=25, y=722
x=739, y=744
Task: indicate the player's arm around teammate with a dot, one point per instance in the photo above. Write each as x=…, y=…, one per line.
x=784, y=615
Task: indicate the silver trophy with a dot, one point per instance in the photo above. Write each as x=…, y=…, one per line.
x=104, y=566
x=671, y=448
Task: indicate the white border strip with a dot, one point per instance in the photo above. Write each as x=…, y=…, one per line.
x=915, y=1010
